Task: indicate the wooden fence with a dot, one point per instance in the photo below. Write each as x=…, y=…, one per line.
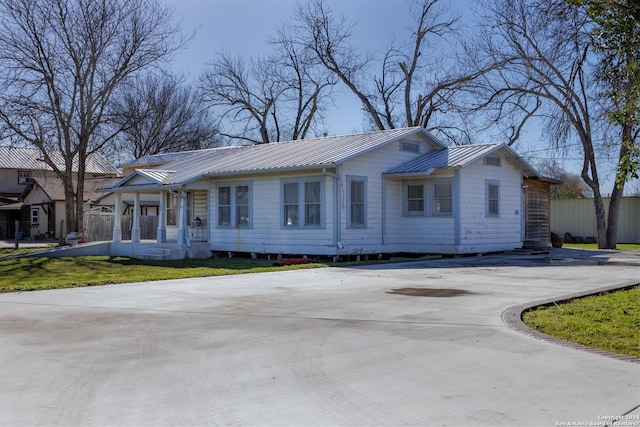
x=100, y=226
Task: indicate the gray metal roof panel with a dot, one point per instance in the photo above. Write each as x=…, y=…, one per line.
x=29, y=158
x=458, y=156
x=298, y=154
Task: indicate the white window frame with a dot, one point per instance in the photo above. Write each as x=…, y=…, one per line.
x=359, y=222
x=302, y=203
x=35, y=216
x=24, y=177
x=494, y=161
x=405, y=199
x=410, y=146
x=235, y=219
x=428, y=197
x=489, y=211
x=435, y=198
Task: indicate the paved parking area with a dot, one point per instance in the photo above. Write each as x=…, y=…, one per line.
x=334, y=346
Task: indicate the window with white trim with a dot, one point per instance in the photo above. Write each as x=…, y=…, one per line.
x=492, y=161
x=24, y=177
x=411, y=146
x=442, y=198
x=357, y=188
x=35, y=216
x=302, y=203
x=234, y=205
x=428, y=198
x=415, y=200
x=172, y=209
x=493, y=198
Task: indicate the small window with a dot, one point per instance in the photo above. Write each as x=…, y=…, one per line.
x=442, y=199
x=415, y=199
x=24, y=177
x=357, y=202
x=493, y=198
x=234, y=205
x=35, y=216
x=492, y=161
x=411, y=146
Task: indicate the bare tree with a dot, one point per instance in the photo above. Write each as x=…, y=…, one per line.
x=547, y=55
x=274, y=98
x=415, y=81
x=61, y=62
x=160, y=114
x=572, y=185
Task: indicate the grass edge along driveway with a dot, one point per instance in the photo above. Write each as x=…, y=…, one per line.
x=40, y=273
x=607, y=321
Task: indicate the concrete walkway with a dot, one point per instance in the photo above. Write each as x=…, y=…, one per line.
x=400, y=344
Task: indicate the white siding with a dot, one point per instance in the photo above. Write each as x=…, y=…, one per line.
x=416, y=234
x=266, y=235
x=478, y=232
x=371, y=166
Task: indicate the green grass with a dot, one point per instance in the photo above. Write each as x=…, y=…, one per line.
x=619, y=246
x=27, y=274
x=608, y=321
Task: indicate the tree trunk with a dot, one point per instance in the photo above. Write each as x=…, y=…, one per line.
x=601, y=222
x=618, y=187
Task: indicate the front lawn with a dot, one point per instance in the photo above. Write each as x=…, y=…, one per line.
x=608, y=321
x=27, y=274
x=619, y=246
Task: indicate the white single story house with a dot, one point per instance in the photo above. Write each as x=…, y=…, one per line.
x=391, y=191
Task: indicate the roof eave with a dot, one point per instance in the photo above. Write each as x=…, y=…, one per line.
x=268, y=170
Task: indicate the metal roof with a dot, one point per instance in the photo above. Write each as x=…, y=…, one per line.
x=460, y=156
x=278, y=156
x=29, y=158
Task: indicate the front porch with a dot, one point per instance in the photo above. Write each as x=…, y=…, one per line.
x=181, y=227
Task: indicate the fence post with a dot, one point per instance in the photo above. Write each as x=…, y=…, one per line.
x=16, y=234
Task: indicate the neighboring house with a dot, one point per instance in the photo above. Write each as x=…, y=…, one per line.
x=392, y=191
x=19, y=166
x=45, y=201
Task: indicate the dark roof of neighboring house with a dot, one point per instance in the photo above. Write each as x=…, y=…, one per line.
x=29, y=158
x=54, y=188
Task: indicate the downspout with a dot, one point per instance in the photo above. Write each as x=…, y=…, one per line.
x=183, y=216
x=336, y=207
x=457, y=207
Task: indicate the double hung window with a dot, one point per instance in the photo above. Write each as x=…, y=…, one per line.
x=234, y=205
x=357, y=202
x=428, y=198
x=302, y=203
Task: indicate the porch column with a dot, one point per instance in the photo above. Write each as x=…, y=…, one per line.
x=135, y=228
x=161, y=232
x=182, y=218
x=117, y=219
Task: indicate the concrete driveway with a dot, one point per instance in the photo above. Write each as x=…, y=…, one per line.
x=315, y=347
